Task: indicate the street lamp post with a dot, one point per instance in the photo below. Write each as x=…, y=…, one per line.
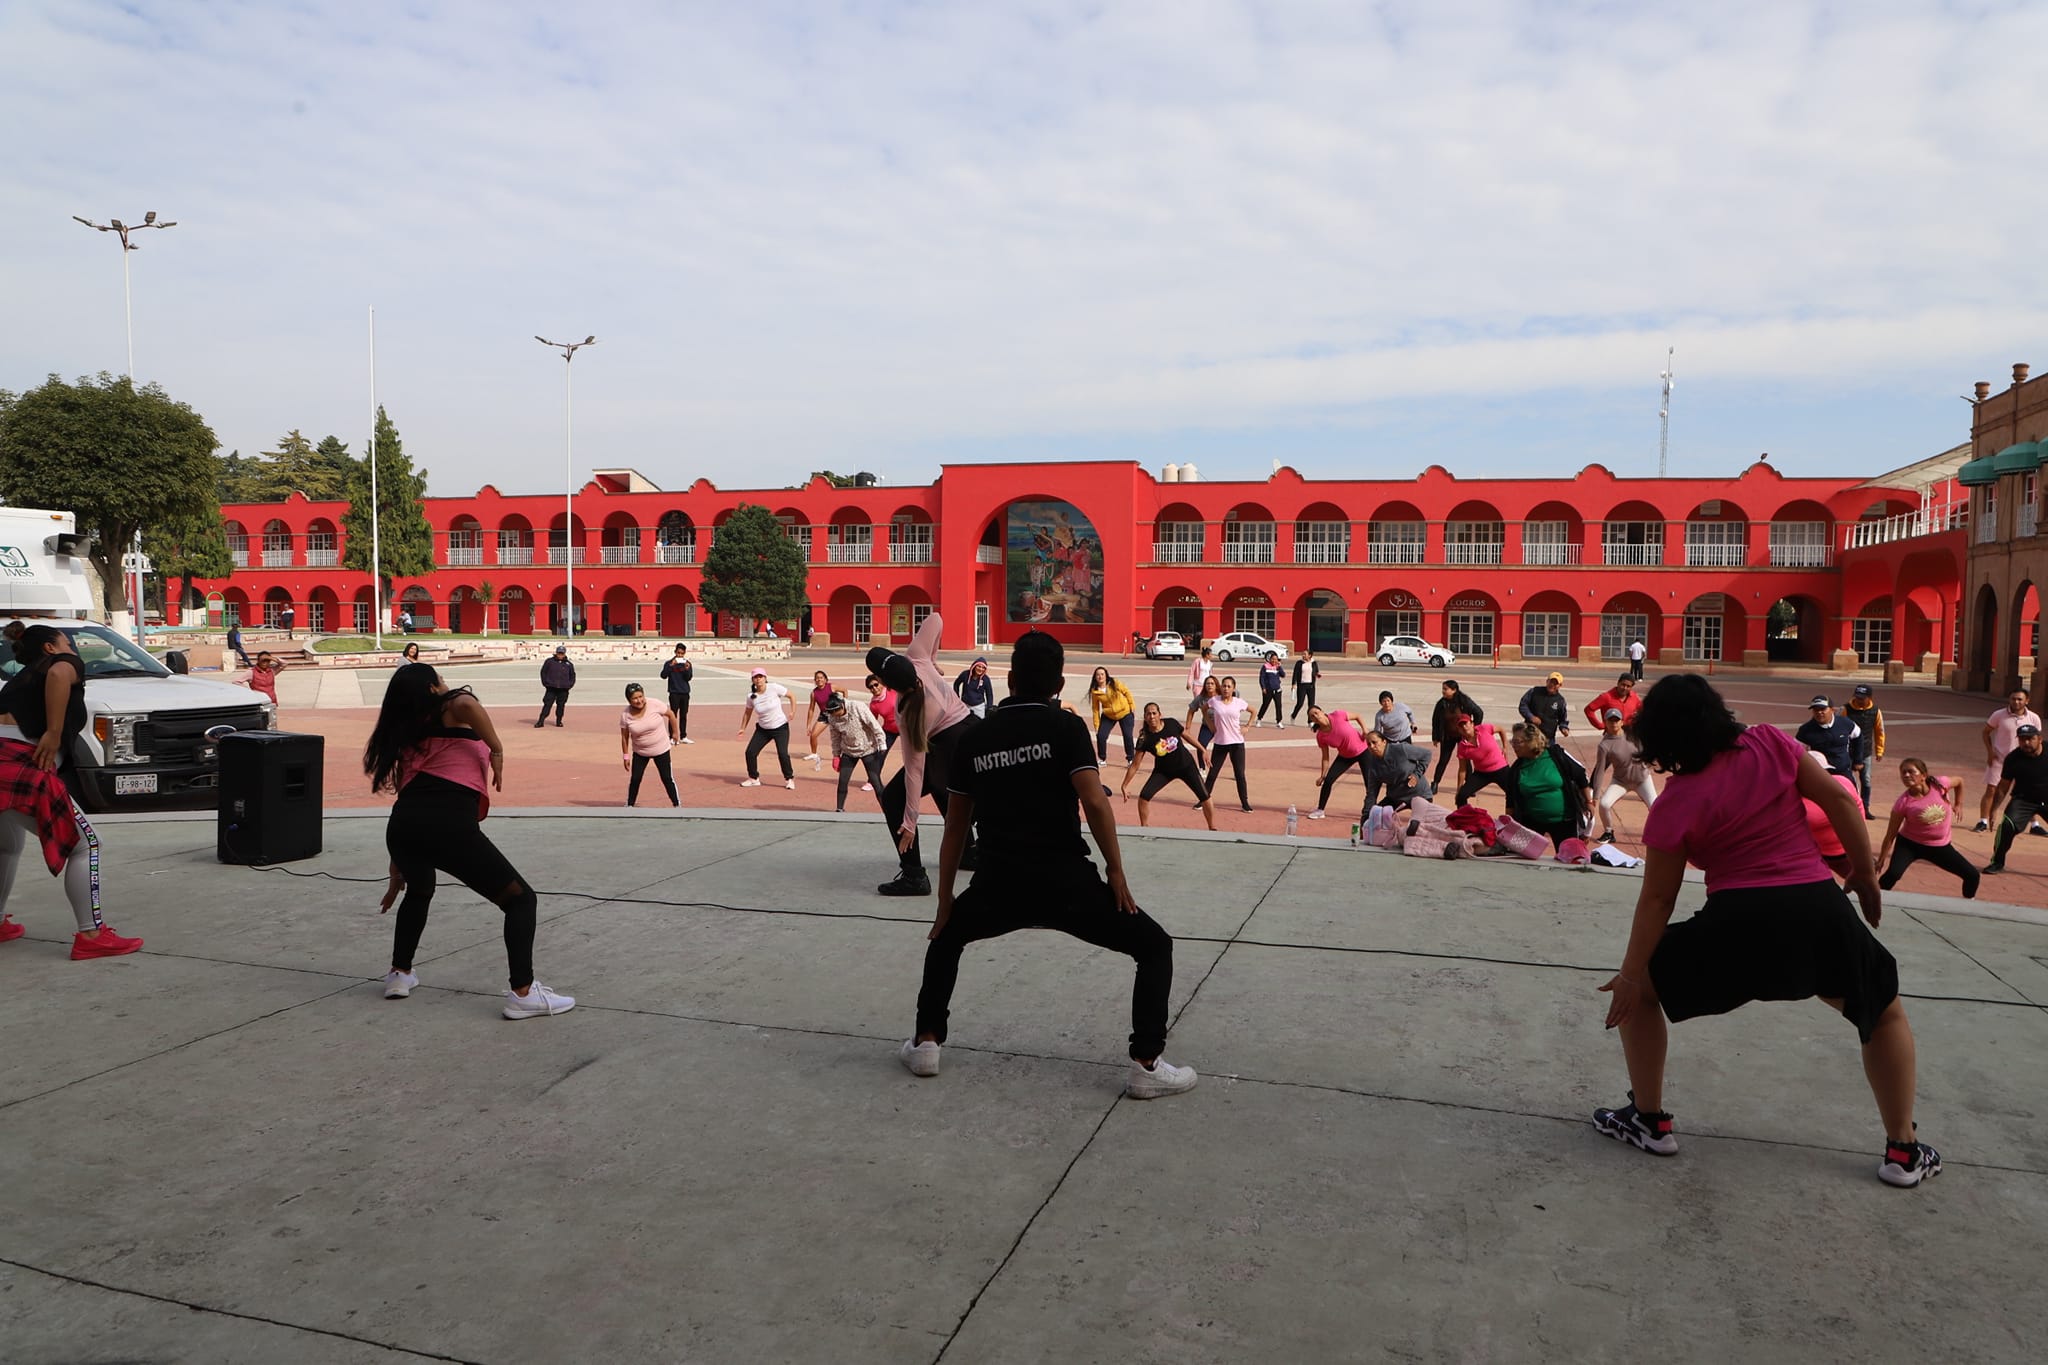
x=115, y=225
x=569, y=350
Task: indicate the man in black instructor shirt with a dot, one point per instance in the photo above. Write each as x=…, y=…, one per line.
x=1018, y=782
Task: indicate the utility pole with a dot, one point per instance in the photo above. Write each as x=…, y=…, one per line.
x=1664, y=416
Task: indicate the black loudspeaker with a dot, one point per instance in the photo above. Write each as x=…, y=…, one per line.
x=270, y=792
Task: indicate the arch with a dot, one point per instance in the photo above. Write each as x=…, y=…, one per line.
x=1629, y=616
x=426, y=613
x=1877, y=606
x=904, y=616
x=1250, y=536
x=275, y=600
x=323, y=610
x=277, y=544
x=1474, y=509
x=1553, y=533
x=1796, y=631
x=1551, y=626
x=1806, y=509
x=1319, y=621
x=362, y=607
x=1397, y=509
x=1725, y=509
x=465, y=610
x=675, y=538
x=1634, y=509
x=913, y=513
x=515, y=539
x=234, y=607
x=1249, y=608
x=675, y=613
x=2022, y=653
x=1983, y=637
x=1178, y=608
x=619, y=613
x=325, y=526
x=1471, y=623
x=515, y=610
x=840, y=614
x=1179, y=511
x=852, y=516
x=580, y=614
x=573, y=540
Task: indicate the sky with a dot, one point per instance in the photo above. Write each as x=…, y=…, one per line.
x=1355, y=238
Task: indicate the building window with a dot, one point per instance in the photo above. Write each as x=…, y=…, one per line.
x=850, y=545
x=1259, y=621
x=1716, y=544
x=231, y=614
x=1986, y=516
x=863, y=623
x=918, y=612
x=1473, y=542
x=1322, y=542
x=910, y=542
x=2029, y=517
x=1249, y=542
x=1617, y=629
x=1871, y=637
x=316, y=616
x=1636, y=543
x=1800, y=544
x=1385, y=623
x=362, y=618
x=1547, y=634
x=277, y=549
x=1471, y=634
x=1395, y=542
x=238, y=548
x=1702, y=639
x=1177, y=542
x=1549, y=542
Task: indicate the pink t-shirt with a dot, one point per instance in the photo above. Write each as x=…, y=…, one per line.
x=1823, y=829
x=2004, y=727
x=649, y=729
x=1226, y=718
x=1482, y=751
x=1741, y=821
x=1342, y=736
x=1925, y=819
x=465, y=762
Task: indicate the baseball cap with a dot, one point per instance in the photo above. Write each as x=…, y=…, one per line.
x=1862, y=689
x=1611, y=714
x=758, y=673
x=1818, y=703
x=561, y=649
x=1555, y=677
x=2026, y=730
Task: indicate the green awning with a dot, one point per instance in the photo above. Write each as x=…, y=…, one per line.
x=1978, y=471
x=2023, y=458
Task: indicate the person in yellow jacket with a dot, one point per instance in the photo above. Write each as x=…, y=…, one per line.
x=1868, y=746
x=1113, y=706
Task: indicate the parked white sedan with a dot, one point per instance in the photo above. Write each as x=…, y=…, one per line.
x=1166, y=644
x=1243, y=644
x=1413, y=649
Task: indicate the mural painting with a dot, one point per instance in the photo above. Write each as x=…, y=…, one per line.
x=1054, y=565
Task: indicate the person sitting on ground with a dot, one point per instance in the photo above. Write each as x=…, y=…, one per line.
x=1774, y=926
x=1922, y=820
x=1395, y=774
x=1618, y=771
x=1020, y=781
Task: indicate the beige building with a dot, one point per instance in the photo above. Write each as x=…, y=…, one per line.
x=2008, y=554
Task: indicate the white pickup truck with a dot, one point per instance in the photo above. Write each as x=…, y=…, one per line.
x=151, y=735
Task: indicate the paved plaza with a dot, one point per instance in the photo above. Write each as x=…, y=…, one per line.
x=230, y=1148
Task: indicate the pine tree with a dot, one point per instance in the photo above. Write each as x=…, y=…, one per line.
x=331, y=462
x=406, y=540
x=296, y=466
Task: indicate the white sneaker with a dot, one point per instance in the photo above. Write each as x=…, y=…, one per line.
x=1160, y=1079
x=790, y=783
x=688, y=740
x=537, y=1001
x=867, y=786
x=921, y=1058
x=751, y=782
x=1258, y=725
x=398, y=985
x=1317, y=815
x=817, y=760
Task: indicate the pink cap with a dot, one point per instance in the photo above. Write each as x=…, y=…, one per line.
x=759, y=673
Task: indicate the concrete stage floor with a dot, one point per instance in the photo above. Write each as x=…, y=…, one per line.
x=230, y=1148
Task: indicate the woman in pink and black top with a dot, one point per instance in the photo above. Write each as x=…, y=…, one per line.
x=647, y=731
x=1227, y=711
x=1775, y=925
x=1922, y=820
x=439, y=751
x=1336, y=733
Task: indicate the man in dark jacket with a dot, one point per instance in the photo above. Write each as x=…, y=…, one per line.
x=1306, y=671
x=1443, y=725
x=1395, y=773
x=676, y=673
x=1544, y=706
x=557, y=676
x=1833, y=735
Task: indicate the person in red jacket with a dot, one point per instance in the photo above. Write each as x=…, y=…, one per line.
x=1620, y=697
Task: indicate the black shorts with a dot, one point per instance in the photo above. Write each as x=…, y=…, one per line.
x=1774, y=943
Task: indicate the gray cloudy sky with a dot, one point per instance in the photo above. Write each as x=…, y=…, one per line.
x=1357, y=238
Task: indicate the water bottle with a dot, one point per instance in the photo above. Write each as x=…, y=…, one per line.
x=1293, y=821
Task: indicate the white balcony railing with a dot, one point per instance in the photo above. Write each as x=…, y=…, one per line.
x=515, y=554
x=240, y=557
x=911, y=552
x=1248, y=552
x=683, y=553
x=1802, y=556
x=1393, y=551
x=2029, y=521
x=1176, y=552
x=459, y=555
x=565, y=554
x=1483, y=552
x=1906, y=526
x=1715, y=556
x=618, y=554
x=322, y=559
x=1635, y=556
x=853, y=552
x=1550, y=552
x=1322, y=552
x=988, y=554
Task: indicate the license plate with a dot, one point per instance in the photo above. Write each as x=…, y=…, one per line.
x=135, y=784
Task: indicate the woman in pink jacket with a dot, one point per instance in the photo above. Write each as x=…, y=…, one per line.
x=930, y=718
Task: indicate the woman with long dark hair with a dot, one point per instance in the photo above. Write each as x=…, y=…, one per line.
x=1175, y=758
x=931, y=718
x=439, y=751
x=1226, y=717
x=1207, y=691
x=1775, y=925
x=1920, y=826
x=1112, y=704
x=42, y=713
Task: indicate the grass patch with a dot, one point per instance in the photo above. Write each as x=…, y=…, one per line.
x=345, y=644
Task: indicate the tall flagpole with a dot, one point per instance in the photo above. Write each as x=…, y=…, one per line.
x=376, y=538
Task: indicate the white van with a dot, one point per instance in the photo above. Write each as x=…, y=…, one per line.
x=151, y=735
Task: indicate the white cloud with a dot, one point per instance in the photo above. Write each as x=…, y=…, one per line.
x=809, y=235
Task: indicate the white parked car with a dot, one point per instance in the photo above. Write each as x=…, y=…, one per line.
x=1166, y=644
x=1413, y=649
x=1243, y=644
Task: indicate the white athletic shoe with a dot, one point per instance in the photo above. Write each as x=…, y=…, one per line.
x=688, y=740
x=398, y=985
x=751, y=782
x=867, y=786
x=537, y=1001
x=1160, y=1079
x=790, y=783
x=817, y=760
x=1317, y=815
x=921, y=1058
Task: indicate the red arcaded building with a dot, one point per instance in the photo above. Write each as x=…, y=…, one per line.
x=1568, y=568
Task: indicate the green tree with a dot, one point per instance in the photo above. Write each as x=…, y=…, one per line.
x=242, y=479
x=119, y=457
x=331, y=463
x=298, y=466
x=487, y=593
x=406, y=541
x=187, y=547
x=754, y=570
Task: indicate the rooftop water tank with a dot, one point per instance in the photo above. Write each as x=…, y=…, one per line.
x=1188, y=474
x=1170, y=474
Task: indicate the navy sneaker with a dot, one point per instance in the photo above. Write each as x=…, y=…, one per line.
x=1906, y=1164
x=1650, y=1131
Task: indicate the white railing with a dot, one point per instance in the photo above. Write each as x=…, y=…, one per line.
x=1715, y=555
x=853, y=552
x=1248, y=552
x=459, y=555
x=618, y=554
x=1176, y=552
x=1322, y=552
x=565, y=554
x=911, y=552
x=1394, y=551
x=2029, y=520
x=1481, y=552
x=1550, y=552
x=1906, y=525
x=240, y=557
x=1637, y=556
x=1802, y=556
x=988, y=554
x=684, y=553
x=515, y=554
x=1987, y=527
x=322, y=559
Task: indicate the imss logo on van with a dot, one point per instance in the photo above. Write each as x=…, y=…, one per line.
x=14, y=562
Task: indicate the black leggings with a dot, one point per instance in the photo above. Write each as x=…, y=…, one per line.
x=660, y=762
x=1947, y=857
x=938, y=762
x=847, y=763
x=1235, y=753
x=1073, y=902
x=1128, y=723
x=1479, y=781
x=433, y=825
x=1340, y=765
x=1304, y=696
x=1163, y=776
x=1446, y=751
x=1274, y=700
x=760, y=740
x=681, y=706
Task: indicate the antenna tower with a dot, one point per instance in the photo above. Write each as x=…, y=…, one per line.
x=1664, y=416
